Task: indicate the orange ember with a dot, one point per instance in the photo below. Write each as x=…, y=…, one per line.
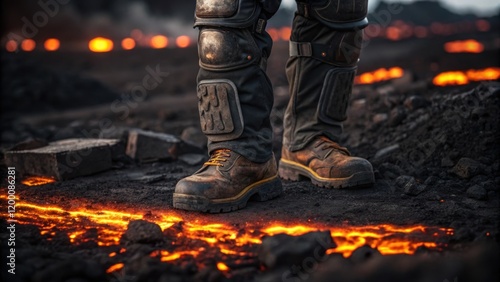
x=38, y=180
x=393, y=33
x=101, y=44
x=222, y=266
x=274, y=34
x=465, y=46
x=159, y=41
x=128, y=43
x=11, y=46
x=485, y=74
x=465, y=77
x=183, y=41
x=285, y=33
x=115, y=267
x=379, y=75
x=28, y=45
x=222, y=238
x=52, y=44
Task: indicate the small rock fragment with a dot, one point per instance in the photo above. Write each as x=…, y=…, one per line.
x=286, y=250
x=380, y=118
x=142, y=231
x=364, y=253
x=409, y=185
x=467, y=168
x=396, y=116
x=415, y=102
x=403, y=179
x=477, y=192
x=413, y=189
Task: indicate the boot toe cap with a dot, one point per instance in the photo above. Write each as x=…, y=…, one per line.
x=349, y=167
x=189, y=187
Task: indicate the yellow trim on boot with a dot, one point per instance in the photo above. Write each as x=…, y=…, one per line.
x=244, y=191
x=312, y=172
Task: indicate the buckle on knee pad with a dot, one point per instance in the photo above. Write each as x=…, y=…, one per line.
x=342, y=50
x=335, y=94
x=219, y=107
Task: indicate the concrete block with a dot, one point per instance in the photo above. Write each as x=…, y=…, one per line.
x=151, y=146
x=64, y=159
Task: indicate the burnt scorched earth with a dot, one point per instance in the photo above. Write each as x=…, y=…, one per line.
x=431, y=216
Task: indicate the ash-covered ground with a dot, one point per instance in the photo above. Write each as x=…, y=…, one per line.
x=434, y=149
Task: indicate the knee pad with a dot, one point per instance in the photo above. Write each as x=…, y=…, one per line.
x=224, y=49
x=335, y=94
x=227, y=13
x=219, y=107
x=336, y=14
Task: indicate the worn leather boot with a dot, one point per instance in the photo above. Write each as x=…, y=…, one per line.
x=226, y=182
x=327, y=165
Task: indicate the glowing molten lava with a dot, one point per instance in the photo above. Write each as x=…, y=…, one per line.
x=282, y=34
x=285, y=33
x=159, y=42
x=183, y=41
x=379, y=75
x=465, y=77
x=100, y=45
x=465, y=46
x=38, y=180
x=52, y=44
x=222, y=266
x=11, y=46
x=28, y=45
x=218, y=240
x=115, y=267
x=128, y=43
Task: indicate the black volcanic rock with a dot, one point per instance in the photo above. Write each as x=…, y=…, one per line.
x=142, y=231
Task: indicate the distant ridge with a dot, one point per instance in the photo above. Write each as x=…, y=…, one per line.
x=422, y=13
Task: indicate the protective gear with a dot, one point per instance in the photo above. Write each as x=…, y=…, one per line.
x=220, y=111
x=226, y=182
x=336, y=14
x=226, y=13
x=324, y=52
x=233, y=48
x=334, y=97
x=342, y=48
x=226, y=49
x=326, y=164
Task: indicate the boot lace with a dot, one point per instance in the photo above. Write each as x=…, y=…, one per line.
x=218, y=157
x=326, y=143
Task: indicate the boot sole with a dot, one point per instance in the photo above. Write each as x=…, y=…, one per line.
x=261, y=191
x=293, y=171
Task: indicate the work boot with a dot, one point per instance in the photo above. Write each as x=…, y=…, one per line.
x=326, y=164
x=226, y=182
